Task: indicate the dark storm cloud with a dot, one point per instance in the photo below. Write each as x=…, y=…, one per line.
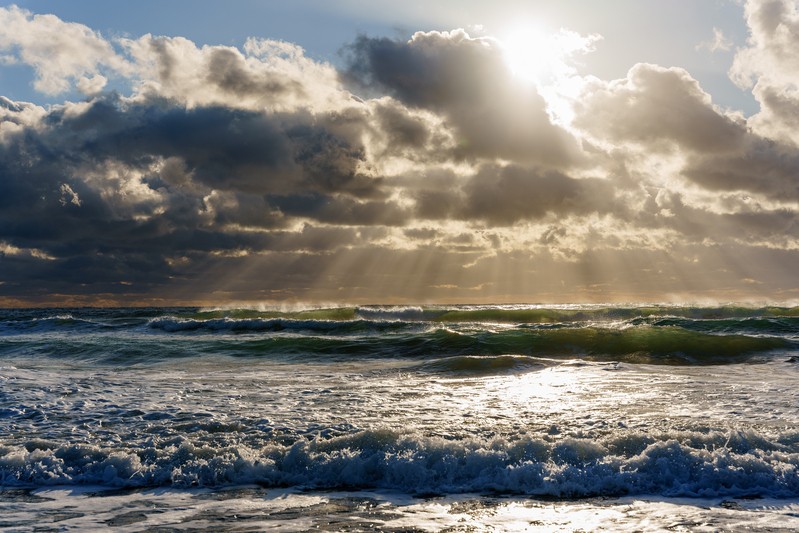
x=433, y=70
x=466, y=81
x=764, y=167
x=403, y=134
x=341, y=210
x=505, y=195
x=399, y=132
x=148, y=189
x=512, y=193
x=110, y=188
x=402, y=130
x=82, y=274
x=742, y=221
x=223, y=148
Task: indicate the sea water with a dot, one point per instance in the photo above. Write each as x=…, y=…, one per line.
x=458, y=418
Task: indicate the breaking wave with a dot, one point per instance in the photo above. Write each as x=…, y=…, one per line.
x=653, y=335
x=732, y=464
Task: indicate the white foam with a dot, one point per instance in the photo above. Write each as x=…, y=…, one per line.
x=391, y=313
x=570, y=467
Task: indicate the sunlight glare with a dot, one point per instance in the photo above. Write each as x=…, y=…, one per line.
x=538, y=57
x=530, y=55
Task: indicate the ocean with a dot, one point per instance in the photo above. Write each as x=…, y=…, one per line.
x=429, y=418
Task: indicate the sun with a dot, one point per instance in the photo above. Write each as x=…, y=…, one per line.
x=530, y=54
x=544, y=58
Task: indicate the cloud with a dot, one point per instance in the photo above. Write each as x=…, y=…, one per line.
x=719, y=42
x=505, y=195
x=659, y=108
x=140, y=193
x=267, y=75
x=467, y=81
x=60, y=52
x=341, y=209
x=761, y=167
x=424, y=170
x=770, y=66
x=661, y=118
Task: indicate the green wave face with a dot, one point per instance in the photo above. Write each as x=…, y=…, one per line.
x=637, y=344
x=653, y=334
x=499, y=314
x=654, y=344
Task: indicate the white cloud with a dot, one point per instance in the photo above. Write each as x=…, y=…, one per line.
x=91, y=85
x=658, y=108
x=269, y=76
x=61, y=53
x=719, y=42
x=769, y=64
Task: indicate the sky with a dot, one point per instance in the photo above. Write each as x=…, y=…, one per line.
x=209, y=153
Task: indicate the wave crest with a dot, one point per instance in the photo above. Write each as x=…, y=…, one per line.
x=709, y=465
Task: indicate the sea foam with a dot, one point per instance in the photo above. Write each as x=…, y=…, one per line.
x=707, y=465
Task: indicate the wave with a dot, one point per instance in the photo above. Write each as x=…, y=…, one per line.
x=22, y=321
x=640, y=344
x=335, y=341
x=731, y=464
x=643, y=344
x=500, y=314
x=539, y=315
x=255, y=325
x=393, y=313
x=483, y=365
x=648, y=344
x=656, y=335
x=65, y=321
x=325, y=313
x=512, y=314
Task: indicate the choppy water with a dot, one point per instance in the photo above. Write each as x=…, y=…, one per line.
x=412, y=417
